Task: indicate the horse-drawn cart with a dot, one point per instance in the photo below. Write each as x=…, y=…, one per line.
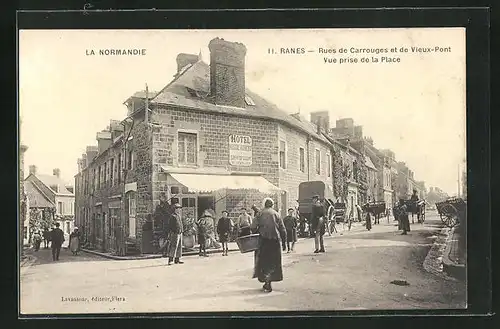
x=306, y=192
x=452, y=211
x=376, y=208
x=416, y=207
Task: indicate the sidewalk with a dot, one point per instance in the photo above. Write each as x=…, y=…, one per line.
x=233, y=247
x=454, y=255
x=28, y=258
x=194, y=252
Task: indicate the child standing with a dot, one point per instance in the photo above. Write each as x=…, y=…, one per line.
x=290, y=223
x=224, y=228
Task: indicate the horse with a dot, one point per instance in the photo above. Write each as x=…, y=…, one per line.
x=416, y=208
x=376, y=209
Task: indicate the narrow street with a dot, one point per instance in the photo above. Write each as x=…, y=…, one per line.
x=355, y=273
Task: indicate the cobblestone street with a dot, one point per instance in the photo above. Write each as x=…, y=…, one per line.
x=355, y=273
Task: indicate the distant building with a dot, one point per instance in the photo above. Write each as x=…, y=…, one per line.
x=377, y=186
x=51, y=199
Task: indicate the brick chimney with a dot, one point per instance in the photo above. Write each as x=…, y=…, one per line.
x=32, y=170
x=56, y=172
x=319, y=123
x=321, y=118
x=185, y=59
x=116, y=129
x=92, y=152
x=84, y=160
x=227, y=72
x=103, y=140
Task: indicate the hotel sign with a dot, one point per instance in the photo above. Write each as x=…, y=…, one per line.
x=240, y=150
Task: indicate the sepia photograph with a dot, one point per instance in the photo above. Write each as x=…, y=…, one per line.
x=168, y=171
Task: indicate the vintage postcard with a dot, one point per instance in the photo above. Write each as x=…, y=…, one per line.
x=242, y=170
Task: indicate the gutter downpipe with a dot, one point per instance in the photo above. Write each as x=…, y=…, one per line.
x=124, y=171
x=308, y=159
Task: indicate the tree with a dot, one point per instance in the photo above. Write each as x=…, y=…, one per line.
x=341, y=174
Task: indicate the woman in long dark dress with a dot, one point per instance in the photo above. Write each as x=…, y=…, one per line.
x=271, y=230
x=368, y=217
x=403, y=215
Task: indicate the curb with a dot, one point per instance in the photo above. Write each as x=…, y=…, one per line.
x=27, y=263
x=453, y=269
x=151, y=256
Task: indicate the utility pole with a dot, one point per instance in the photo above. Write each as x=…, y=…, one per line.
x=458, y=180
x=146, y=111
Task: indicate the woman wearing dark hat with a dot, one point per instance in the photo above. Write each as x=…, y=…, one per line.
x=224, y=228
x=270, y=227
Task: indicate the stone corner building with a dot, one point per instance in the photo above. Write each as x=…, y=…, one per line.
x=206, y=142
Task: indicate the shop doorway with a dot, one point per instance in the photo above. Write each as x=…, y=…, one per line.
x=205, y=202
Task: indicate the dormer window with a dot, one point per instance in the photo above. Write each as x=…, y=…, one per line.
x=54, y=188
x=192, y=92
x=249, y=101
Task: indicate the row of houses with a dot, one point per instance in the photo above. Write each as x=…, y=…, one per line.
x=48, y=199
x=207, y=141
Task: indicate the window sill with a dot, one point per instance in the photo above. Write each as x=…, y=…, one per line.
x=185, y=165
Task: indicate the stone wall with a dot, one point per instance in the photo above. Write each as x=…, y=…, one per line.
x=104, y=234
x=142, y=172
x=292, y=176
x=213, y=132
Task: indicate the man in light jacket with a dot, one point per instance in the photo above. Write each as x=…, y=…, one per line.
x=175, y=236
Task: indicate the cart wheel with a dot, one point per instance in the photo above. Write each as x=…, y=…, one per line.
x=330, y=221
x=450, y=215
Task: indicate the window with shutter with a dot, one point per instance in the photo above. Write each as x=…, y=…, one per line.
x=302, y=160
x=187, y=148
x=318, y=162
x=282, y=154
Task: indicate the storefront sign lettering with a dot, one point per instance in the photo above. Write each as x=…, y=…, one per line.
x=240, y=150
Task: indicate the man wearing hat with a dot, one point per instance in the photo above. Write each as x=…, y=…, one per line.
x=57, y=239
x=175, y=236
x=414, y=206
x=318, y=224
x=161, y=215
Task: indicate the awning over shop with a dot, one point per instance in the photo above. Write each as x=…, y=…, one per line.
x=208, y=183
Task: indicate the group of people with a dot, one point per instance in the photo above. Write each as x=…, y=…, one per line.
x=56, y=239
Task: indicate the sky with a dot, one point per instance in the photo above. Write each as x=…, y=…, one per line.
x=416, y=107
